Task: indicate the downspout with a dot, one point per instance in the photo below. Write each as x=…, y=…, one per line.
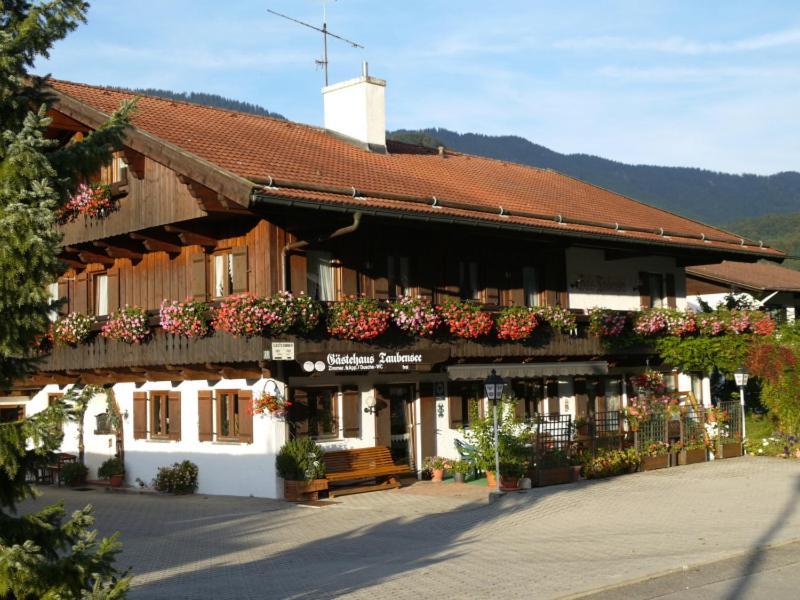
x=347, y=229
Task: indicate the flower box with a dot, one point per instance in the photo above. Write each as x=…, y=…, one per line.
x=691, y=457
x=728, y=449
x=296, y=491
x=554, y=476
x=651, y=463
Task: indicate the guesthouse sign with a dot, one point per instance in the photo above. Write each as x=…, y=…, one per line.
x=379, y=361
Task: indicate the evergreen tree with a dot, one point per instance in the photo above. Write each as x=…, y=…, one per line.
x=41, y=554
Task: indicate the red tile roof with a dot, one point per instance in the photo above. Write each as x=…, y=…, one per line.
x=256, y=147
x=762, y=276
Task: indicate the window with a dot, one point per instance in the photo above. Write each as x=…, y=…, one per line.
x=553, y=399
x=466, y=397
x=320, y=276
x=159, y=415
x=225, y=416
x=468, y=280
x=52, y=292
x=529, y=393
x=651, y=290
x=156, y=415
x=103, y=424
x=11, y=413
x=119, y=169
x=53, y=399
x=397, y=269
x=100, y=294
x=530, y=286
x=315, y=412
x=222, y=274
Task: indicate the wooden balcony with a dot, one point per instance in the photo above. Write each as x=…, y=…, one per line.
x=165, y=353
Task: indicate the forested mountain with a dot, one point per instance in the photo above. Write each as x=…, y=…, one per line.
x=780, y=231
x=207, y=100
x=705, y=195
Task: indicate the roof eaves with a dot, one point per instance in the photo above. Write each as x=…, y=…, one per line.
x=259, y=195
x=185, y=163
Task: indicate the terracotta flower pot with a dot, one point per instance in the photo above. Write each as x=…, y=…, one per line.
x=509, y=483
x=437, y=474
x=490, y=479
x=116, y=480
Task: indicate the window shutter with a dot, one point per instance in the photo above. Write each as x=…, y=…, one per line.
x=140, y=415
x=113, y=290
x=239, y=269
x=205, y=415
x=197, y=266
x=349, y=279
x=456, y=414
x=644, y=290
x=80, y=302
x=515, y=294
x=301, y=425
x=481, y=408
x=63, y=294
x=174, y=399
x=351, y=413
x=670, y=285
x=491, y=288
x=298, y=273
x=246, y=416
x=519, y=408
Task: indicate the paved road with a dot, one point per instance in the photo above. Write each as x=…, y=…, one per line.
x=770, y=572
x=546, y=543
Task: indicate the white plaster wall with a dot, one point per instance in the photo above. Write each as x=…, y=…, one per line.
x=593, y=281
x=357, y=108
x=224, y=467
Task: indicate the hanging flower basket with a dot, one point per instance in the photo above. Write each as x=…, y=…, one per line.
x=268, y=403
x=415, y=316
x=92, y=201
x=190, y=318
x=72, y=329
x=358, y=319
x=466, y=319
x=516, y=323
x=127, y=325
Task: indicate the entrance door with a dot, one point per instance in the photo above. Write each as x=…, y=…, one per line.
x=394, y=424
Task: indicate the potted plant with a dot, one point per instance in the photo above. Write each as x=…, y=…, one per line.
x=460, y=469
x=655, y=456
x=436, y=465
x=552, y=468
x=112, y=469
x=480, y=435
x=511, y=471
x=581, y=426
x=300, y=463
x=74, y=474
x=691, y=452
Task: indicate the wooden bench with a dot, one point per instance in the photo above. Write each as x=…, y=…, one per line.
x=360, y=464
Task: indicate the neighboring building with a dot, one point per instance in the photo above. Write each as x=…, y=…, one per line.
x=214, y=203
x=766, y=284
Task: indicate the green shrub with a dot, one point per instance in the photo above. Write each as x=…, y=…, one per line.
x=180, y=478
x=74, y=473
x=112, y=466
x=300, y=459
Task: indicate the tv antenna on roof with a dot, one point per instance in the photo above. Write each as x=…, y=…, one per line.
x=325, y=34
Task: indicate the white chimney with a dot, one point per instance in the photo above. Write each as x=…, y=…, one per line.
x=357, y=109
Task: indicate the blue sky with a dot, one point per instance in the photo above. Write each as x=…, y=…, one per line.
x=711, y=84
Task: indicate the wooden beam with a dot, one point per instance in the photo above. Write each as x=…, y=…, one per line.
x=116, y=250
x=192, y=238
x=156, y=244
x=91, y=257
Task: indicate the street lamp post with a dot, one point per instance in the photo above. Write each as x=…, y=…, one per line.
x=493, y=386
x=741, y=376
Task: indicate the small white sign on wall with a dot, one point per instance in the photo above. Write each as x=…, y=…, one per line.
x=282, y=350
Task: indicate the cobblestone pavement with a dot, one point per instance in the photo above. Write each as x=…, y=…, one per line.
x=544, y=543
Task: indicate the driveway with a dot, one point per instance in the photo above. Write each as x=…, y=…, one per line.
x=546, y=543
